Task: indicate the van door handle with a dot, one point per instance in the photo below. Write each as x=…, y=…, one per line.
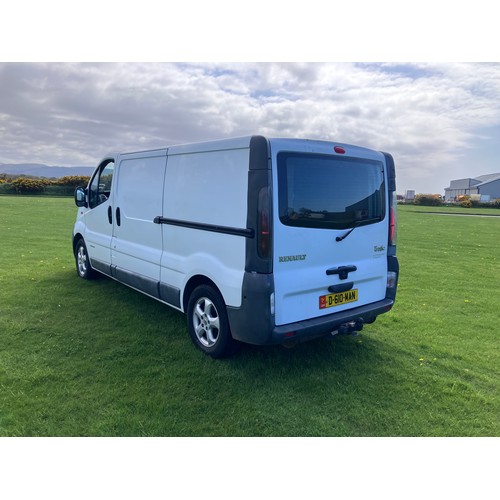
x=118, y=218
x=110, y=215
x=342, y=271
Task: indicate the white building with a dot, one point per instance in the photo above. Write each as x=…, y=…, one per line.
x=410, y=195
x=484, y=186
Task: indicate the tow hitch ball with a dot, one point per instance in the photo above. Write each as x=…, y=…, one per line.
x=348, y=328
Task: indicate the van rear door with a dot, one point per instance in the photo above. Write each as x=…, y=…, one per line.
x=330, y=228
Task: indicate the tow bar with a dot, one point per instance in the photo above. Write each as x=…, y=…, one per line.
x=349, y=328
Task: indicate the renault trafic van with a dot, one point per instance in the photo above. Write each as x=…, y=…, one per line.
x=258, y=240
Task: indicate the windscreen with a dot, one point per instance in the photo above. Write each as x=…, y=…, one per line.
x=330, y=192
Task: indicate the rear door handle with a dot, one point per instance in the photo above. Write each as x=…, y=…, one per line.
x=118, y=216
x=342, y=271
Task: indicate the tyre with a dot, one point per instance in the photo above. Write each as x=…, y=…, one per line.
x=208, y=324
x=83, y=267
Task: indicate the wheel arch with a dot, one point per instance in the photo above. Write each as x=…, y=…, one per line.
x=78, y=236
x=194, y=282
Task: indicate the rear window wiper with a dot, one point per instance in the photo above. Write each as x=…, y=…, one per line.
x=357, y=223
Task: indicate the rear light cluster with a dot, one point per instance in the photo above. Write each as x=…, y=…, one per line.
x=392, y=261
x=391, y=192
x=392, y=224
x=392, y=279
x=264, y=225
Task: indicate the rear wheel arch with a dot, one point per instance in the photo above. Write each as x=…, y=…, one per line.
x=207, y=320
x=201, y=287
x=192, y=284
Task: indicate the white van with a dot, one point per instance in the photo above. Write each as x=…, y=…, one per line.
x=258, y=240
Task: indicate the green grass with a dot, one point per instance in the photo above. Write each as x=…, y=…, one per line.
x=451, y=209
x=96, y=358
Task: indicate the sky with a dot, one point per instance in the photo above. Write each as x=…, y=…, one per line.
x=440, y=121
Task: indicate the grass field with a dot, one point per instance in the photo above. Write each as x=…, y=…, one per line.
x=99, y=359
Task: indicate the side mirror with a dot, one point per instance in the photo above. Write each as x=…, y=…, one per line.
x=80, y=197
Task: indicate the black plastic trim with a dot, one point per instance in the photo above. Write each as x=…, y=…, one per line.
x=342, y=271
x=161, y=291
x=252, y=322
x=259, y=153
x=259, y=177
x=170, y=295
x=100, y=266
x=391, y=172
x=214, y=228
x=142, y=283
x=325, y=324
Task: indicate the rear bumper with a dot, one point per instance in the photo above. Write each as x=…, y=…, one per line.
x=316, y=327
x=253, y=322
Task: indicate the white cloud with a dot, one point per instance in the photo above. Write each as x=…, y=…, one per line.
x=427, y=115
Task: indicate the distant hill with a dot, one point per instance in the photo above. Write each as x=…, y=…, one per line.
x=40, y=170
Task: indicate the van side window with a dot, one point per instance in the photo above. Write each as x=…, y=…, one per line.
x=100, y=187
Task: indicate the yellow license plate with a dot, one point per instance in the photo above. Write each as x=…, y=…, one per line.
x=337, y=299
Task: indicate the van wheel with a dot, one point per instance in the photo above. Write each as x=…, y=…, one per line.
x=207, y=322
x=83, y=268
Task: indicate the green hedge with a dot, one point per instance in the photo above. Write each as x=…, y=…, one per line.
x=8, y=188
x=65, y=186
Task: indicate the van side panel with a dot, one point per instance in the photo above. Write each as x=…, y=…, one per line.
x=205, y=216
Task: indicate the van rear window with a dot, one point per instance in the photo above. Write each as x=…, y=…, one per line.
x=330, y=192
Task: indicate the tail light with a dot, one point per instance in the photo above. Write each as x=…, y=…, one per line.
x=264, y=236
x=392, y=261
x=392, y=279
x=392, y=223
x=391, y=191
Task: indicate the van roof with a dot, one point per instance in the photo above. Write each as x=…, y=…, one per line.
x=240, y=143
